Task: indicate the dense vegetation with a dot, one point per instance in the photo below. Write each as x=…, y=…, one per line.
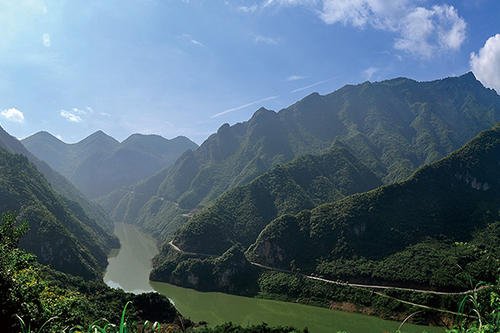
x=60, y=233
x=447, y=200
x=393, y=127
x=60, y=184
x=37, y=293
x=440, y=229
x=239, y=215
x=99, y=164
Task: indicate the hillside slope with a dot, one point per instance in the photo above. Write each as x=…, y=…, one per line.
x=393, y=127
x=438, y=230
x=447, y=200
x=60, y=184
x=60, y=233
x=239, y=215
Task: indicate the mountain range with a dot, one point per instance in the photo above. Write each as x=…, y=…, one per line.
x=440, y=228
x=99, y=164
x=392, y=127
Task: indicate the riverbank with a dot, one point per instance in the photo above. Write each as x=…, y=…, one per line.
x=138, y=249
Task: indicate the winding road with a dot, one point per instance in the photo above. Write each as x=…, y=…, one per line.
x=342, y=283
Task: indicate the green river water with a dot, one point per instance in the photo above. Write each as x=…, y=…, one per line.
x=129, y=269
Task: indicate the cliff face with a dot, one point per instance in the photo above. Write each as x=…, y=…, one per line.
x=230, y=272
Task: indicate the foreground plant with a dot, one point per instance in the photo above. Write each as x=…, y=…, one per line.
x=99, y=326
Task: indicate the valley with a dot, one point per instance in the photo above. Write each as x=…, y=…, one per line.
x=249, y=166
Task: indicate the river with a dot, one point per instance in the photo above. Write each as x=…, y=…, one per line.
x=129, y=269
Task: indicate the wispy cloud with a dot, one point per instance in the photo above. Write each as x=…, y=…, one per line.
x=190, y=39
x=243, y=106
x=13, y=115
x=259, y=39
x=77, y=115
x=295, y=78
x=69, y=116
x=46, y=40
x=248, y=9
x=369, y=72
x=311, y=85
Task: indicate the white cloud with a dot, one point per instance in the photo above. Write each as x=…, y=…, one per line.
x=486, y=63
x=295, y=77
x=59, y=136
x=369, y=72
x=74, y=118
x=13, y=115
x=46, y=40
x=259, y=39
x=243, y=106
x=420, y=31
x=426, y=31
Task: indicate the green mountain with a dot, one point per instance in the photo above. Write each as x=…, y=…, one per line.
x=240, y=214
x=60, y=184
x=41, y=295
x=447, y=201
x=439, y=229
x=60, y=233
x=392, y=127
x=99, y=164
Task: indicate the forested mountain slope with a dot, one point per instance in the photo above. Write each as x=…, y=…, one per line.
x=447, y=201
x=240, y=214
x=60, y=184
x=60, y=233
x=439, y=229
x=393, y=127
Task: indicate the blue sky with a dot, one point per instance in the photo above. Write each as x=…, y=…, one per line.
x=179, y=67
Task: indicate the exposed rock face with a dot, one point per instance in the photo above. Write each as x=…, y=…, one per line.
x=230, y=272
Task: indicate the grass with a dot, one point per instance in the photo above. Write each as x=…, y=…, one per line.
x=476, y=317
x=106, y=327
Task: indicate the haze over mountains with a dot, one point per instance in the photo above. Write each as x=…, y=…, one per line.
x=100, y=164
x=65, y=231
x=392, y=127
x=327, y=186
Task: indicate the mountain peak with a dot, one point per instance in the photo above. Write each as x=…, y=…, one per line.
x=99, y=136
x=43, y=135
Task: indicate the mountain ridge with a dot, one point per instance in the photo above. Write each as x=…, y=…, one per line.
x=392, y=127
x=99, y=164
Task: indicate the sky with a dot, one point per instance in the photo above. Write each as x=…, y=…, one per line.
x=185, y=67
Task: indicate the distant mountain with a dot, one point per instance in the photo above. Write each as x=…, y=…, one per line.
x=240, y=214
x=440, y=228
x=392, y=127
x=99, y=164
x=60, y=184
x=60, y=233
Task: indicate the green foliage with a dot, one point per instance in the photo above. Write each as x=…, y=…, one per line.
x=392, y=127
x=37, y=293
x=239, y=215
x=230, y=272
x=60, y=233
x=446, y=201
